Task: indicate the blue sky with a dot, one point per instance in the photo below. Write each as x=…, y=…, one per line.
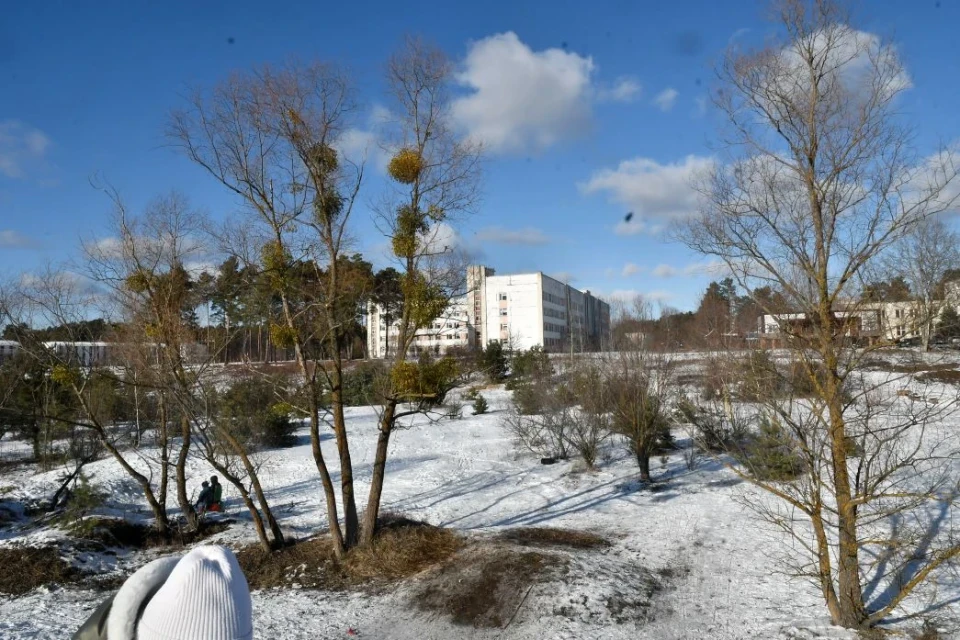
x=590, y=110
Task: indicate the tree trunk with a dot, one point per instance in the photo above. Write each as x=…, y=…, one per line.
x=824, y=570
x=329, y=493
x=247, y=501
x=163, y=442
x=241, y=452
x=351, y=519
x=262, y=499
x=186, y=507
x=852, y=613
x=643, y=460
x=372, y=513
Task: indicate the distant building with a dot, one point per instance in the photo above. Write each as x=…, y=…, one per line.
x=868, y=322
x=452, y=329
x=519, y=311
x=529, y=309
x=83, y=354
x=8, y=349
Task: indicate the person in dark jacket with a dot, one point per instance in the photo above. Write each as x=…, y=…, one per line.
x=217, y=490
x=205, y=499
x=202, y=595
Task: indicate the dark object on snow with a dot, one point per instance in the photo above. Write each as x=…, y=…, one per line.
x=205, y=498
x=217, y=497
x=548, y=460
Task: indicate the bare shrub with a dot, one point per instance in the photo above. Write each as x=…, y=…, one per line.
x=26, y=568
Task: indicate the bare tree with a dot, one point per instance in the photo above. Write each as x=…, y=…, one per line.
x=821, y=179
x=436, y=178
x=143, y=268
x=638, y=383
x=922, y=258
x=270, y=137
x=61, y=299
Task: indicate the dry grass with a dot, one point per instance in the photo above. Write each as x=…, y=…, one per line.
x=401, y=549
x=548, y=537
x=484, y=586
x=117, y=532
x=26, y=568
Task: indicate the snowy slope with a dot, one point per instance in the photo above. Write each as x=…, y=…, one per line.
x=468, y=474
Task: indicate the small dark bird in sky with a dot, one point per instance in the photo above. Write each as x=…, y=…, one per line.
x=628, y=217
x=230, y=40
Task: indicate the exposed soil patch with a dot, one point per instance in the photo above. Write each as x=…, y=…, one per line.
x=485, y=586
x=547, y=537
x=402, y=548
x=945, y=376
x=26, y=568
x=117, y=532
x=879, y=364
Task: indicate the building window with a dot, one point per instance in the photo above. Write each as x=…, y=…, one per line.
x=503, y=312
x=502, y=296
x=504, y=327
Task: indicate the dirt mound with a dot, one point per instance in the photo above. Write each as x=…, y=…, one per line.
x=547, y=537
x=485, y=586
x=402, y=548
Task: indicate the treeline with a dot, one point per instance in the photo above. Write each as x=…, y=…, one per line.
x=236, y=304
x=723, y=317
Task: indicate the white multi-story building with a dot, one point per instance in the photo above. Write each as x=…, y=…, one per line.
x=519, y=311
x=531, y=309
x=84, y=354
x=452, y=329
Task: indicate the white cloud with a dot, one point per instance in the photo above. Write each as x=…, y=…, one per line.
x=525, y=236
x=713, y=267
x=625, y=90
x=21, y=146
x=630, y=269
x=360, y=144
x=936, y=181
x=198, y=267
x=622, y=295
x=630, y=295
x=666, y=99
x=636, y=227
x=659, y=295
x=10, y=239
x=109, y=247
x=652, y=190
x=857, y=59
x=523, y=99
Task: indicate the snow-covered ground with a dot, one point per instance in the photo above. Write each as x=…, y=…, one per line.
x=468, y=474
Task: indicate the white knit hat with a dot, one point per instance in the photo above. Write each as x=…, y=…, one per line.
x=206, y=597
